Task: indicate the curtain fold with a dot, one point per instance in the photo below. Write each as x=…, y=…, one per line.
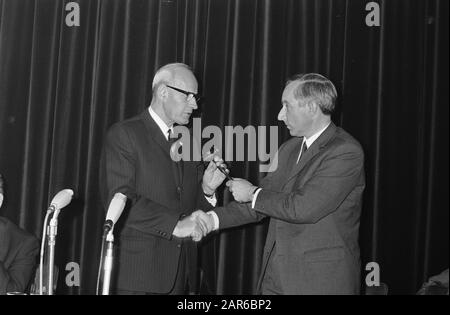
x=61, y=88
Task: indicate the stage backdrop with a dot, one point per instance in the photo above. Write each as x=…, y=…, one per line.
x=61, y=87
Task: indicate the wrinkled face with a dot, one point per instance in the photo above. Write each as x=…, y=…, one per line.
x=295, y=113
x=178, y=107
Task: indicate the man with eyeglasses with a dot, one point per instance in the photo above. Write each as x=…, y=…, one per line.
x=156, y=254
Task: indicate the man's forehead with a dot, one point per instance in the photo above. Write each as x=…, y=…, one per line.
x=289, y=89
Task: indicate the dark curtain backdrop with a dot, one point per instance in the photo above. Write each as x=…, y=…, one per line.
x=61, y=88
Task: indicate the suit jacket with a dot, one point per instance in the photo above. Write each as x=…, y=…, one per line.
x=315, y=208
x=136, y=162
x=18, y=252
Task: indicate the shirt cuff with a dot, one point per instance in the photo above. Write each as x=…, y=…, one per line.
x=255, y=195
x=212, y=200
x=215, y=219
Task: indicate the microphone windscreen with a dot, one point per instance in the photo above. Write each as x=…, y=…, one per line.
x=62, y=199
x=116, y=207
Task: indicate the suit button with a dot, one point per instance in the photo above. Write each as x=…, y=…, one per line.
x=179, y=245
x=179, y=189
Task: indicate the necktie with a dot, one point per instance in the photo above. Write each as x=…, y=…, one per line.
x=171, y=140
x=302, y=151
x=180, y=162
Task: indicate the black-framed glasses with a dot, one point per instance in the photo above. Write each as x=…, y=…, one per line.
x=197, y=97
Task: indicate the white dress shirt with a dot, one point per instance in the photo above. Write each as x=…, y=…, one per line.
x=161, y=124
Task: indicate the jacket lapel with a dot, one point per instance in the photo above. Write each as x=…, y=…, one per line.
x=315, y=148
x=158, y=137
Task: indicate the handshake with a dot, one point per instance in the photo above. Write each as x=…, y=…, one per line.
x=196, y=226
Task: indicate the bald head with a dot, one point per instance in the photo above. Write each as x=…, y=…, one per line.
x=171, y=100
x=171, y=74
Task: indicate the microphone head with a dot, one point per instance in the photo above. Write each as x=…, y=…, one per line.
x=116, y=207
x=62, y=199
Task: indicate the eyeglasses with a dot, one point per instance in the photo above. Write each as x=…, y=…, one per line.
x=189, y=95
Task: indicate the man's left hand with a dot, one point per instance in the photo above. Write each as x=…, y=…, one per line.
x=213, y=177
x=241, y=189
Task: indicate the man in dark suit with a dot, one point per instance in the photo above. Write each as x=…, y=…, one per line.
x=313, y=199
x=18, y=251
x=155, y=256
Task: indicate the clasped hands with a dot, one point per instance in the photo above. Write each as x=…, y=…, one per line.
x=196, y=226
x=199, y=224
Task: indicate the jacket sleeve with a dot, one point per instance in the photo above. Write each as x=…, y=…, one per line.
x=236, y=214
x=16, y=277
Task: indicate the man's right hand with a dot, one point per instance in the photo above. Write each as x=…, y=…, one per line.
x=190, y=227
x=205, y=219
x=196, y=226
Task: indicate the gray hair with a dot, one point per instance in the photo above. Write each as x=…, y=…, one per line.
x=316, y=87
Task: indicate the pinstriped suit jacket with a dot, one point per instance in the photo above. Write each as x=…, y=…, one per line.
x=315, y=208
x=18, y=252
x=136, y=162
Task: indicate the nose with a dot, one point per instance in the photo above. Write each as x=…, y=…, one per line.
x=193, y=103
x=282, y=114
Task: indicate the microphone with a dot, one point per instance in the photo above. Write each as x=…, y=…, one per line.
x=62, y=199
x=115, y=209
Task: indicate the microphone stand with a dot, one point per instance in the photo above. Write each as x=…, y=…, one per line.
x=108, y=264
x=61, y=200
x=52, y=231
x=115, y=209
x=41, y=254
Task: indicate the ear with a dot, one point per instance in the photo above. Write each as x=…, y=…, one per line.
x=312, y=107
x=162, y=92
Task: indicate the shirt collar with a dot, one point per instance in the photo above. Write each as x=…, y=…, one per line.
x=161, y=124
x=310, y=140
